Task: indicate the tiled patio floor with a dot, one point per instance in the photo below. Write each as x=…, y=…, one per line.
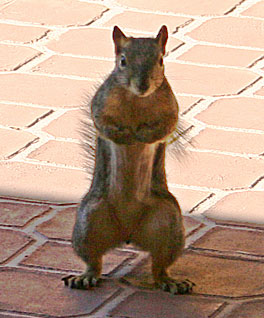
x=53, y=53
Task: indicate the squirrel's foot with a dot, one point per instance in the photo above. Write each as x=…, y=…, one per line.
x=84, y=281
x=175, y=286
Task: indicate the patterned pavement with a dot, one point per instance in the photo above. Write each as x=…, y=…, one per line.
x=53, y=53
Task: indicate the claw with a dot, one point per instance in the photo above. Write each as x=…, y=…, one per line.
x=84, y=281
x=66, y=279
x=177, y=287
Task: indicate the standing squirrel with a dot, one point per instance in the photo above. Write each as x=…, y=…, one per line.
x=134, y=112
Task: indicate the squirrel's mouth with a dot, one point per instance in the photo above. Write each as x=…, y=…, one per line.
x=145, y=94
x=142, y=89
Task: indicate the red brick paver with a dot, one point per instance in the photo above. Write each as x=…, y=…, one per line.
x=34, y=287
x=12, y=242
x=53, y=55
x=160, y=305
x=19, y=216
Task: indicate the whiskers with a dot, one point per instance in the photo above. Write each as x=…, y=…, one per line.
x=179, y=140
x=88, y=136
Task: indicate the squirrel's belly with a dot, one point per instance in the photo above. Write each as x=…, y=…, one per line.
x=131, y=172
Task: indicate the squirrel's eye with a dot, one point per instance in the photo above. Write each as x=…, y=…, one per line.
x=123, y=61
x=161, y=61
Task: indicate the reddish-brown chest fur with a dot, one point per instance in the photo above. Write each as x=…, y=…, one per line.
x=131, y=111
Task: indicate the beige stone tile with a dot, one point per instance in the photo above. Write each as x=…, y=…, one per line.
x=173, y=44
x=53, y=12
x=13, y=141
x=24, y=291
x=192, y=79
x=214, y=170
x=220, y=55
x=185, y=102
x=188, y=198
x=92, y=68
x=18, y=33
x=241, y=207
x=32, y=181
x=12, y=56
x=146, y=21
x=59, y=152
x=188, y=7
x=65, y=65
x=19, y=116
x=72, y=41
x=4, y=3
x=232, y=141
x=231, y=240
x=101, y=39
x=67, y=126
x=190, y=225
x=43, y=90
x=238, y=112
x=256, y=10
x=231, y=30
x=98, y=43
x=260, y=92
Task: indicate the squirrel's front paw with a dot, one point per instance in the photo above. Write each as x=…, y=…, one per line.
x=84, y=281
x=118, y=134
x=148, y=133
x=176, y=287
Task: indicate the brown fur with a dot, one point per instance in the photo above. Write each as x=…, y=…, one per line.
x=134, y=112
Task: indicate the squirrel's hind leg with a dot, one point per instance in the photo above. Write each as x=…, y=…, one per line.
x=84, y=281
x=162, y=234
x=94, y=233
x=166, y=283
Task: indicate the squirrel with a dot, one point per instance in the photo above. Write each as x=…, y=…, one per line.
x=134, y=112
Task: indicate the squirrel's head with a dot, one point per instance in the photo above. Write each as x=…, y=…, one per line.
x=139, y=61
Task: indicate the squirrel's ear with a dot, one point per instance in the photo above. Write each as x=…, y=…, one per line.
x=162, y=38
x=119, y=39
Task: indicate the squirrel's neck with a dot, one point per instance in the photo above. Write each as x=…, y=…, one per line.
x=131, y=171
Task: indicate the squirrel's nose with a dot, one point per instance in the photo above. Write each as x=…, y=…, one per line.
x=143, y=86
